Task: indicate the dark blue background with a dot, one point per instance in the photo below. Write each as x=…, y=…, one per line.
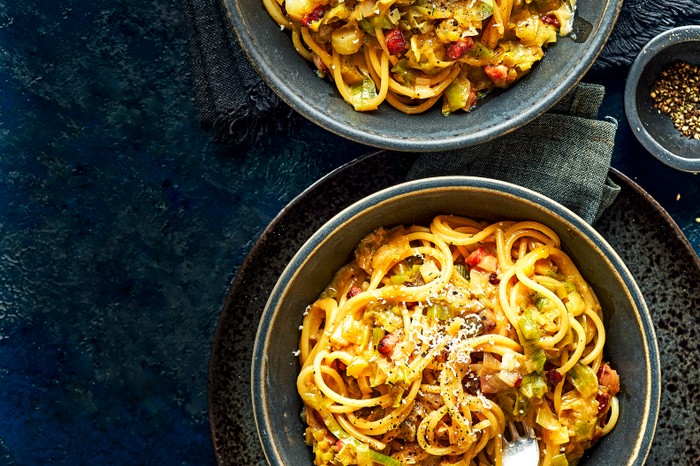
x=122, y=226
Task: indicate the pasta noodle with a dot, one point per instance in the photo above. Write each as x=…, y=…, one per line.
x=431, y=339
x=413, y=53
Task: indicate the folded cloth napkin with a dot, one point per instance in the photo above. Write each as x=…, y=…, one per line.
x=564, y=154
x=236, y=105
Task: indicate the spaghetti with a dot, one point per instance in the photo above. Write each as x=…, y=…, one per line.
x=413, y=53
x=424, y=346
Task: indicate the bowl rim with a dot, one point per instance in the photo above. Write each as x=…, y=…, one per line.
x=651, y=49
x=291, y=97
x=644, y=321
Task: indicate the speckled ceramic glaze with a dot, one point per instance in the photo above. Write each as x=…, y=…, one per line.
x=234, y=432
x=646, y=239
x=655, y=130
x=273, y=56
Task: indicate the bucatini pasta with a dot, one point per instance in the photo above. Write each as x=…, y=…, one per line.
x=424, y=346
x=414, y=53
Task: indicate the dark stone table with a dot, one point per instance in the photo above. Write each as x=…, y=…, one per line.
x=122, y=227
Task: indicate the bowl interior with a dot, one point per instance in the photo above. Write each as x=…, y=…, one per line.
x=654, y=129
x=630, y=345
x=272, y=54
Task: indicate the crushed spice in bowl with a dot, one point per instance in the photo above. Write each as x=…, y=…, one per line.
x=662, y=94
x=676, y=92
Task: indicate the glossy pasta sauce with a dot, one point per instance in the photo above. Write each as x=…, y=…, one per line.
x=433, y=338
x=416, y=53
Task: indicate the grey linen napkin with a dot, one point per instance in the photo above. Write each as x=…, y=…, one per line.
x=564, y=154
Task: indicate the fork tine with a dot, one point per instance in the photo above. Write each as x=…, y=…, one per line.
x=513, y=431
x=520, y=449
x=530, y=431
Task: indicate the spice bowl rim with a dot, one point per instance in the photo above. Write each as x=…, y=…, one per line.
x=635, y=84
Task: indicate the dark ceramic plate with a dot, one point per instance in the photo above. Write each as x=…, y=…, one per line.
x=273, y=56
x=657, y=254
x=655, y=130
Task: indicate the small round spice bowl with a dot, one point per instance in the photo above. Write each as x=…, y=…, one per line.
x=662, y=97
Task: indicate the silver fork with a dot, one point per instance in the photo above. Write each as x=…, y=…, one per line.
x=520, y=450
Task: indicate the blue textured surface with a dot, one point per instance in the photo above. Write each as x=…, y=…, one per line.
x=121, y=227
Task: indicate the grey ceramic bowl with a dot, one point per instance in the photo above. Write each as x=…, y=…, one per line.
x=631, y=343
x=273, y=56
x=655, y=130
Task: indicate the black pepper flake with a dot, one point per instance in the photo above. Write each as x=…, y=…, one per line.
x=676, y=92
